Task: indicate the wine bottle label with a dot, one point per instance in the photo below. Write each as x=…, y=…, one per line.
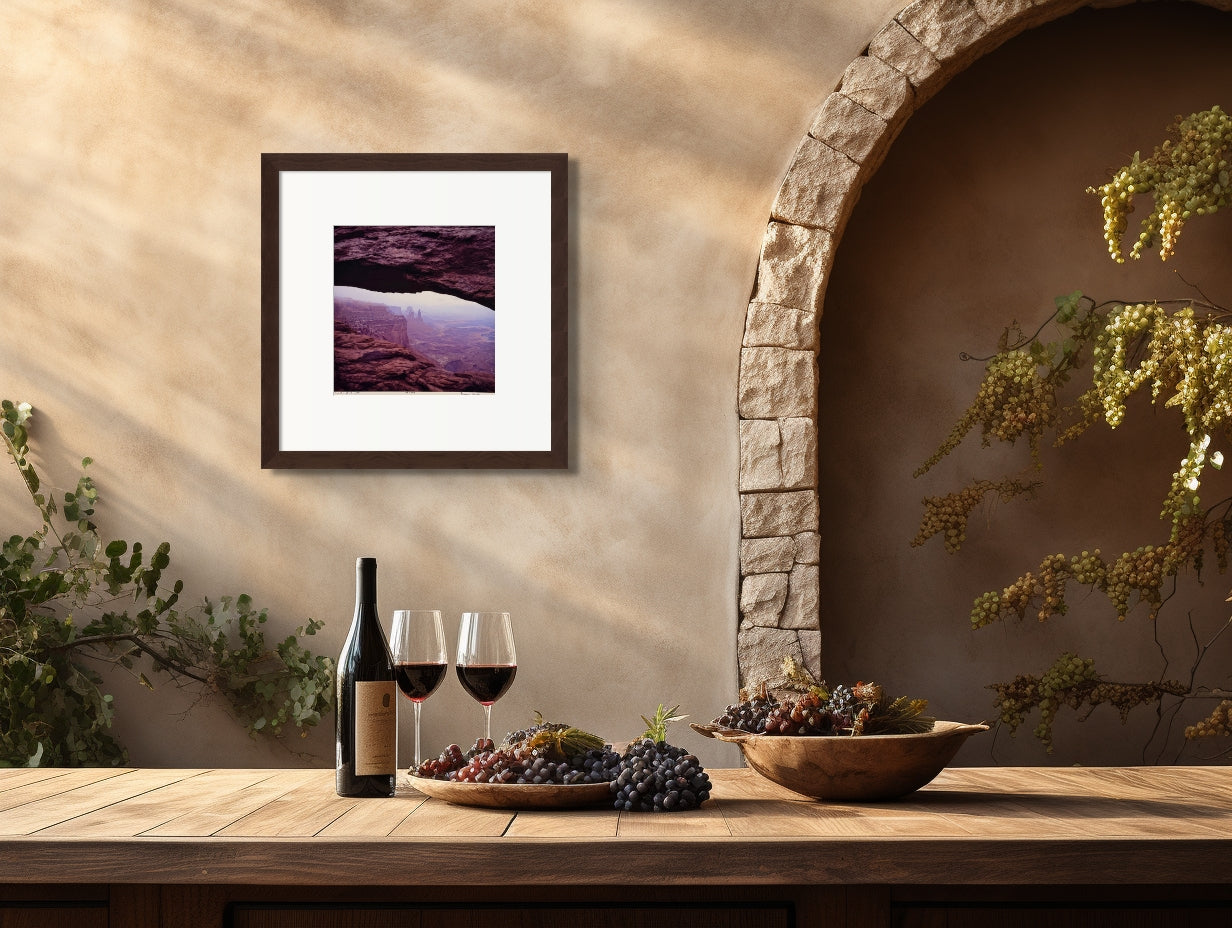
x=376, y=727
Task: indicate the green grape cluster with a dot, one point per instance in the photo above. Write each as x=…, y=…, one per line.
x=1056, y=689
x=1139, y=571
x=1177, y=352
x=1187, y=174
x=1144, y=570
x=948, y=515
x=1112, y=381
x=1047, y=693
x=1217, y=724
x=1013, y=400
x=1045, y=589
x=1072, y=681
x=1136, y=576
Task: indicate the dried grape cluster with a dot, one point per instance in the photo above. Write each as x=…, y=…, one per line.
x=748, y=714
x=809, y=714
x=1188, y=175
x=1073, y=682
x=820, y=710
x=948, y=515
x=1013, y=400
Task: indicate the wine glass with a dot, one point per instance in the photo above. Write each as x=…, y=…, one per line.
x=418, y=649
x=487, y=662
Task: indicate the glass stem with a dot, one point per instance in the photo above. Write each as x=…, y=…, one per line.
x=487, y=722
x=417, y=759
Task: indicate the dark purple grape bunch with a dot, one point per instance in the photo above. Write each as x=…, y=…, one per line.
x=748, y=714
x=655, y=776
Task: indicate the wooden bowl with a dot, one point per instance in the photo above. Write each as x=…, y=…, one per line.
x=864, y=768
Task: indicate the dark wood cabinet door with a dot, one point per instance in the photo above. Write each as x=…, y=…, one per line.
x=33, y=915
x=602, y=916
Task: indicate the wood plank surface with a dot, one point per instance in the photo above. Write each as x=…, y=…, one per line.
x=95, y=794
x=589, y=823
x=436, y=818
x=11, y=777
x=302, y=811
x=57, y=783
x=372, y=817
x=156, y=807
x=213, y=813
x=971, y=825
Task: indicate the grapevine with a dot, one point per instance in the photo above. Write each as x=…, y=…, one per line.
x=1179, y=352
x=1187, y=174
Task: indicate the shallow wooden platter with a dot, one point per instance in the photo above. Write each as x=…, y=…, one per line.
x=514, y=795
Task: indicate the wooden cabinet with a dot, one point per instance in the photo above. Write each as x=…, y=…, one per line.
x=596, y=916
x=36, y=915
x=986, y=847
x=1024, y=915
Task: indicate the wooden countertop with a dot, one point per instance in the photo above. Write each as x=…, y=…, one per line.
x=1140, y=825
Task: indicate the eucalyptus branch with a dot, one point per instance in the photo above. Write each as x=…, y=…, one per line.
x=16, y=456
x=52, y=710
x=161, y=661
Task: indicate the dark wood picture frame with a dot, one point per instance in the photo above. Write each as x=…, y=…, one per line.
x=273, y=165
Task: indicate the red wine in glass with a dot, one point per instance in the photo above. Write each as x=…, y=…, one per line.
x=487, y=682
x=419, y=679
x=487, y=661
x=418, y=648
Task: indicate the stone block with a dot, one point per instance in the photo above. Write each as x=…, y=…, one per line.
x=879, y=88
x=1055, y=9
x=817, y=187
x=762, y=597
x=794, y=267
x=760, y=652
x=801, y=610
x=788, y=513
x=850, y=128
x=1008, y=18
x=808, y=548
x=760, y=467
x=798, y=452
x=898, y=48
x=810, y=647
x=951, y=30
x=774, y=325
x=767, y=555
x=1014, y=15
x=777, y=382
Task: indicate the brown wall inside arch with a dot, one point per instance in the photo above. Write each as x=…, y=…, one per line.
x=977, y=216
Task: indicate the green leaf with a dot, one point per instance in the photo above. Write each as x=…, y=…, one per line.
x=116, y=548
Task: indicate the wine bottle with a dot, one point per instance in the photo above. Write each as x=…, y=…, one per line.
x=366, y=708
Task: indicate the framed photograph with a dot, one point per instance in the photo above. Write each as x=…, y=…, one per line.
x=414, y=311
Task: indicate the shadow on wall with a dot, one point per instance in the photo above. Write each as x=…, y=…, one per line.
x=978, y=218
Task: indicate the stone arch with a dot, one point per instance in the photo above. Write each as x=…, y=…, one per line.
x=917, y=52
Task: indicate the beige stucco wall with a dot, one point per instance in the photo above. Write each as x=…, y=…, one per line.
x=129, y=308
